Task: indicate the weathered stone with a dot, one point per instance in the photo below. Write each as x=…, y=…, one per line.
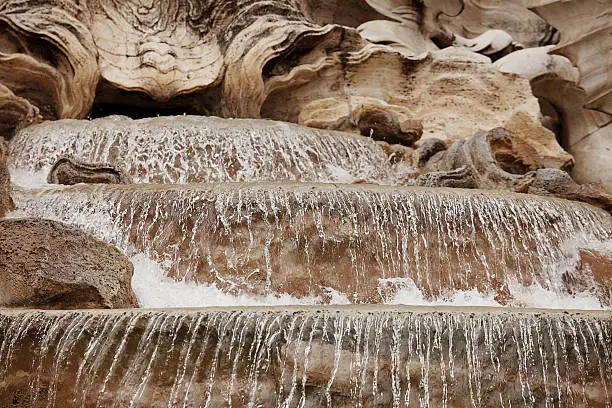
x=477, y=159
x=536, y=144
x=381, y=124
x=558, y=183
x=593, y=155
x=463, y=177
x=590, y=270
x=69, y=171
x=15, y=112
x=427, y=149
x=470, y=18
x=499, y=160
x=440, y=90
x=269, y=62
x=6, y=204
x=493, y=43
x=397, y=152
x=46, y=264
x=586, y=28
x=598, y=264
x=583, y=96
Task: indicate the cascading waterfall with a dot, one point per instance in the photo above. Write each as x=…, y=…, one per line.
x=301, y=240
x=301, y=357
x=189, y=149
x=286, y=238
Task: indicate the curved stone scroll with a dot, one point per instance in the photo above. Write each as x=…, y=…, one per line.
x=69, y=171
x=586, y=39
x=48, y=57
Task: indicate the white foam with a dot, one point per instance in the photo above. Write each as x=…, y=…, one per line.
x=533, y=296
x=154, y=289
x=29, y=179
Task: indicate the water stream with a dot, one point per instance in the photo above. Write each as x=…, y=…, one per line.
x=306, y=358
x=188, y=149
x=299, y=238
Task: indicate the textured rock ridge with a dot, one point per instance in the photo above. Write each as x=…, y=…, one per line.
x=45, y=264
x=499, y=160
x=271, y=59
x=6, y=203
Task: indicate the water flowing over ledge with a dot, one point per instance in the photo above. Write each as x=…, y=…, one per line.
x=298, y=238
x=188, y=149
x=286, y=357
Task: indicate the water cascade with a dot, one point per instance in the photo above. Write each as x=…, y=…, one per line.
x=280, y=250
x=190, y=149
x=286, y=238
x=293, y=358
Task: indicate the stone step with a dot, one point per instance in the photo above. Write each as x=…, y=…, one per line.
x=188, y=149
x=366, y=242
x=285, y=357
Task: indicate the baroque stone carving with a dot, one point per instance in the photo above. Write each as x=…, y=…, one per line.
x=253, y=59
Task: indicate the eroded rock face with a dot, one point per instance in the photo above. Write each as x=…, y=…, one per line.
x=253, y=59
x=582, y=98
x=500, y=160
x=69, y=171
x=45, y=264
x=6, y=203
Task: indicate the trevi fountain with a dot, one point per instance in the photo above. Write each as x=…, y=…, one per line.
x=305, y=203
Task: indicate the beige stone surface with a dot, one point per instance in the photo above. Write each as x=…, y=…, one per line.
x=6, y=203
x=46, y=264
x=593, y=156
x=452, y=92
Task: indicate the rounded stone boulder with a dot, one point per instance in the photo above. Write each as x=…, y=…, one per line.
x=46, y=264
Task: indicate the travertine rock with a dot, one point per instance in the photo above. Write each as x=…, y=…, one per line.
x=382, y=124
x=15, y=112
x=499, y=160
x=598, y=264
x=45, y=264
x=69, y=171
x=254, y=59
x=558, y=183
x=428, y=148
x=585, y=101
x=452, y=92
x=586, y=39
x=48, y=56
x=6, y=204
x=593, y=155
x=472, y=18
